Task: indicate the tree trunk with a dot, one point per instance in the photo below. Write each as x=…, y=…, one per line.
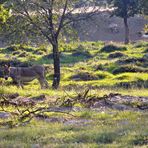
x=126, y=31
x=56, y=59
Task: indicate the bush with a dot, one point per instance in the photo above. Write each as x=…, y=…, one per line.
x=140, y=140
x=129, y=68
x=66, y=47
x=85, y=76
x=112, y=48
x=82, y=53
x=25, y=48
x=146, y=57
x=131, y=61
x=10, y=49
x=134, y=84
x=116, y=55
x=23, y=54
x=141, y=44
x=100, y=67
x=15, y=63
x=146, y=50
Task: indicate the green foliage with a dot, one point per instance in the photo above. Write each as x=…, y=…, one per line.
x=4, y=14
x=146, y=28
x=125, y=8
x=144, y=5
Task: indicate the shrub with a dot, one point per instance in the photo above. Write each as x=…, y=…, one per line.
x=116, y=55
x=129, y=68
x=131, y=61
x=141, y=44
x=82, y=53
x=106, y=137
x=99, y=67
x=112, y=48
x=66, y=47
x=146, y=57
x=25, y=48
x=103, y=75
x=10, y=49
x=146, y=50
x=134, y=84
x=85, y=76
x=15, y=63
x=23, y=54
x=140, y=140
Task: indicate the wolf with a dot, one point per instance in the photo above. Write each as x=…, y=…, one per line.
x=21, y=75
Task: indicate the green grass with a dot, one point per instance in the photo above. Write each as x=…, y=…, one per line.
x=104, y=129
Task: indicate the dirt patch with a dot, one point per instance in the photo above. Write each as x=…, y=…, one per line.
x=111, y=101
x=114, y=101
x=17, y=100
x=24, y=109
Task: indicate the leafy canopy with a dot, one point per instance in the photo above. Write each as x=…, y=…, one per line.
x=4, y=12
x=125, y=8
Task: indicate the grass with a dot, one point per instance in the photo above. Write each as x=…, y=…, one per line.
x=116, y=130
x=103, y=129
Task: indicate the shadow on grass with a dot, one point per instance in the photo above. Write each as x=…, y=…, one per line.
x=64, y=58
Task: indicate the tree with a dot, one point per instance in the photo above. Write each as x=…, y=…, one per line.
x=48, y=18
x=125, y=9
x=4, y=12
x=144, y=5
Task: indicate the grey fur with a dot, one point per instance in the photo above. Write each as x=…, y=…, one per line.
x=20, y=75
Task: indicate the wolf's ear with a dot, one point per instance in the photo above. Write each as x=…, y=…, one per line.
x=7, y=65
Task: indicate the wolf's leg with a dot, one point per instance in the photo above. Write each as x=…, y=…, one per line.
x=41, y=83
x=19, y=83
x=46, y=83
x=44, y=79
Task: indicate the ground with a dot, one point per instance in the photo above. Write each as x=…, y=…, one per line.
x=92, y=106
